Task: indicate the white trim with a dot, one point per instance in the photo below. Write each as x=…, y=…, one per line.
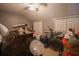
x=66, y=17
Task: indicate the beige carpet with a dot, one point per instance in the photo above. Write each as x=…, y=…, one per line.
x=49, y=52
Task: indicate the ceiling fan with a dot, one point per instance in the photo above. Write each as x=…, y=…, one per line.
x=35, y=6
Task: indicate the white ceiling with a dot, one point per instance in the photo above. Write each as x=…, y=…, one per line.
x=45, y=12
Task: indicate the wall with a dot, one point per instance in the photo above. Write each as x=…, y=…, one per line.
x=10, y=19
x=46, y=23
x=37, y=26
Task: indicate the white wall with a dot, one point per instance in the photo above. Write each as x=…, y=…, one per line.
x=37, y=26
x=46, y=23
x=10, y=19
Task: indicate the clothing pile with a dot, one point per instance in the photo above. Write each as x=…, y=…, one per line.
x=71, y=45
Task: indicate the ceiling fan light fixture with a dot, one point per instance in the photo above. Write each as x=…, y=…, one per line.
x=33, y=7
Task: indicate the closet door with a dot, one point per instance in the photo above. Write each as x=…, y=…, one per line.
x=73, y=23
x=60, y=25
